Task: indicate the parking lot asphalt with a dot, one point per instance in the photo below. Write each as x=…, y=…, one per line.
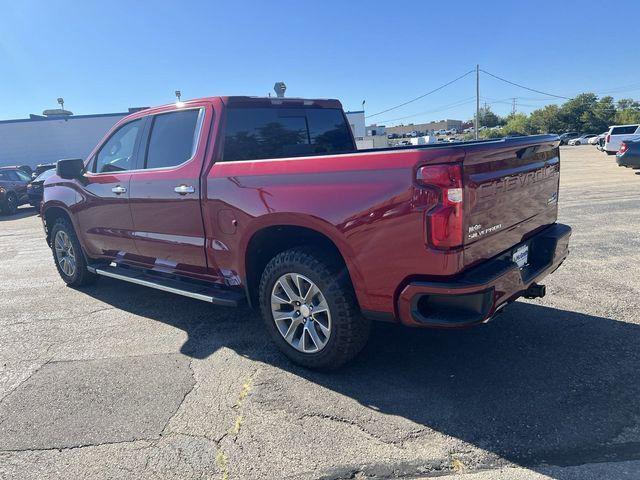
x=121, y=381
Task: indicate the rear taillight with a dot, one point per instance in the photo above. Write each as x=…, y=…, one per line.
x=623, y=148
x=444, y=221
x=607, y=139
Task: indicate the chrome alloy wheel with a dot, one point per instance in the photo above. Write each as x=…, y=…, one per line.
x=65, y=253
x=301, y=313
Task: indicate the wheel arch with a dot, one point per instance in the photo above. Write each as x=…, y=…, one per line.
x=50, y=214
x=268, y=241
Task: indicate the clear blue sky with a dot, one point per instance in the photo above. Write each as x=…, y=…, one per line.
x=108, y=56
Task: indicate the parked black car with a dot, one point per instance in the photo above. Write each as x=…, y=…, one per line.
x=13, y=189
x=35, y=188
x=42, y=168
x=565, y=137
x=629, y=154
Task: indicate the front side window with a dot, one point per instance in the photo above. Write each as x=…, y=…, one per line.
x=22, y=176
x=117, y=154
x=277, y=132
x=173, y=138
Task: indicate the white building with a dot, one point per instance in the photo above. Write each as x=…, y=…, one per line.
x=356, y=122
x=372, y=141
x=375, y=129
x=46, y=139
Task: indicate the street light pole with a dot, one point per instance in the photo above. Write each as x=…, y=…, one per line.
x=477, y=125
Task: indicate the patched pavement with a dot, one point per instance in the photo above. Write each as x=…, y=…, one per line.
x=120, y=381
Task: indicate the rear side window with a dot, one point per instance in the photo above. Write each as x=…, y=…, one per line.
x=117, y=154
x=626, y=130
x=9, y=175
x=277, y=132
x=173, y=138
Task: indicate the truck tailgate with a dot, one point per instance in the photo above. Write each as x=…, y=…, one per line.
x=511, y=192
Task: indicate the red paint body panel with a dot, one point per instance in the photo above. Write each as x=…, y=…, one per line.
x=367, y=203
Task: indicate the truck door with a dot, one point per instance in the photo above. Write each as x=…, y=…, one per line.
x=165, y=192
x=103, y=214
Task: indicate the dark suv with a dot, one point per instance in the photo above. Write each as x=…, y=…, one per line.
x=13, y=189
x=565, y=137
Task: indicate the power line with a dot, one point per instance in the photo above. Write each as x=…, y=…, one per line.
x=421, y=96
x=526, y=88
x=439, y=109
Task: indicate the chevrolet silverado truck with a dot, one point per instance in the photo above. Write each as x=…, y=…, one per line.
x=266, y=201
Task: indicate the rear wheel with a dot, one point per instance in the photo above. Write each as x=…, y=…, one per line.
x=10, y=204
x=68, y=257
x=309, y=307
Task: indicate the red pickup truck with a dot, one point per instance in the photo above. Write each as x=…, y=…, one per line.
x=267, y=201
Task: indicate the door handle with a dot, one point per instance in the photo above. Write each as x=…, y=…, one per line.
x=118, y=189
x=184, y=189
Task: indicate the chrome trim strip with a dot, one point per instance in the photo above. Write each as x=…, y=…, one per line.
x=147, y=283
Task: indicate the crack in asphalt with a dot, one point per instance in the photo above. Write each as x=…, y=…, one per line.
x=184, y=397
x=56, y=319
x=36, y=370
x=74, y=447
x=222, y=458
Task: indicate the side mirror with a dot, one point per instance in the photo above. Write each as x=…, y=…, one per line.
x=70, y=168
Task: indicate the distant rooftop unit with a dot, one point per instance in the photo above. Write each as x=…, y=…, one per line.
x=57, y=112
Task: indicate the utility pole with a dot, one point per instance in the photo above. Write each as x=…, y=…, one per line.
x=477, y=126
x=513, y=106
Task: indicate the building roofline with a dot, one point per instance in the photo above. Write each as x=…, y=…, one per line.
x=68, y=117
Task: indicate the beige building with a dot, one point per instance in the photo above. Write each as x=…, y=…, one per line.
x=425, y=127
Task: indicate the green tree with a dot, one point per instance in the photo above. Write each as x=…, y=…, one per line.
x=598, y=118
x=546, y=120
x=627, y=103
x=628, y=116
x=518, y=124
x=628, y=111
x=488, y=118
x=571, y=112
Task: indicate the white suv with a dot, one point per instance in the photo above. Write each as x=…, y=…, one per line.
x=617, y=134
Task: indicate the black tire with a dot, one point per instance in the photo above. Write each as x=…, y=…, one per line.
x=80, y=276
x=610, y=153
x=349, y=330
x=10, y=204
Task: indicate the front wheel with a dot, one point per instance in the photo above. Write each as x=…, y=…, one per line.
x=67, y=254
x=10, y=204
x=310, y=309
